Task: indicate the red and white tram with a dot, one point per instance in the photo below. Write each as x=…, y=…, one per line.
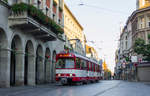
x=72, y=68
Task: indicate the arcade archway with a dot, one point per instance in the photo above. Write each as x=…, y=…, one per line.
x=16, y=66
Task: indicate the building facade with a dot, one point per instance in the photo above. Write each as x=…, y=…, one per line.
x=117, y=69
x=30, y=38
x=143, y=4
x=91, y=53
x=137, y=26
x=74, y=31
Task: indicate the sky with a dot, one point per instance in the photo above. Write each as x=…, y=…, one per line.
x=101, y=20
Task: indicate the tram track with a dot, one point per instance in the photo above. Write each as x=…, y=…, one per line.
x=106, y=90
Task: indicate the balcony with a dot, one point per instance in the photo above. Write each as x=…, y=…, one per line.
x=32, y=21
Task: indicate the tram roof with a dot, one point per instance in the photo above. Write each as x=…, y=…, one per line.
x=81, y=56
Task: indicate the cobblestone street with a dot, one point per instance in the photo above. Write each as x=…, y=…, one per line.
x=103, y=88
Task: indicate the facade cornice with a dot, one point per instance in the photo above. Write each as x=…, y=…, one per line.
x=133, y=15
x=4, y=4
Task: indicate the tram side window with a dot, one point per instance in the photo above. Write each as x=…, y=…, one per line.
x=92, y=66
x=78, y=62
x=98, y=68
x=83, y=64
x=89, y=66
x=95, y=67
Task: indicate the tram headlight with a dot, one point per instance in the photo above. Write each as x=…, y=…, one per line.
x=59, y=75
x=70, y=75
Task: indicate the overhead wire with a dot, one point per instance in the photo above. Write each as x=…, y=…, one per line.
x=102, y=8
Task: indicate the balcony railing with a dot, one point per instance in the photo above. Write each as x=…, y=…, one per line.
x=6, y=1
x=33, y=21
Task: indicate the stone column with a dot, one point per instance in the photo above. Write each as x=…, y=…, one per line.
x=48, y=71
x=31, y=70
x=19, y=68
x=53, y=70
x=40, y=69
x=4, y=67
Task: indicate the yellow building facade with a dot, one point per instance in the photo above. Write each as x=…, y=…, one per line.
x=143, y=4
x=73, y=29
x=105, y=65
x=91, y=52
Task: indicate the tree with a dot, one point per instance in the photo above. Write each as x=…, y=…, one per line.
x=141, y=48
x=107, y=74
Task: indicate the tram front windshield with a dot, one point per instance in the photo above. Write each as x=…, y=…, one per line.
x=65, y=63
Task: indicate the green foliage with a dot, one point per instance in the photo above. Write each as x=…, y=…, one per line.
x=142, y=49
x=146, y=54
x=60, y=9
x=6, y=1
x=107, y=73
x=127, y=58
x=54, y=3
x=67, y=48
x=17, y=8
x=149, y=38
x=139, y=46
x=38, y=15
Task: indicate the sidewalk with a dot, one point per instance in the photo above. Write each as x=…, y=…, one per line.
x=147, y=83
x=12, y=91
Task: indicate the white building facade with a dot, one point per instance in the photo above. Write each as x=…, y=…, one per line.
x=28, y=47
